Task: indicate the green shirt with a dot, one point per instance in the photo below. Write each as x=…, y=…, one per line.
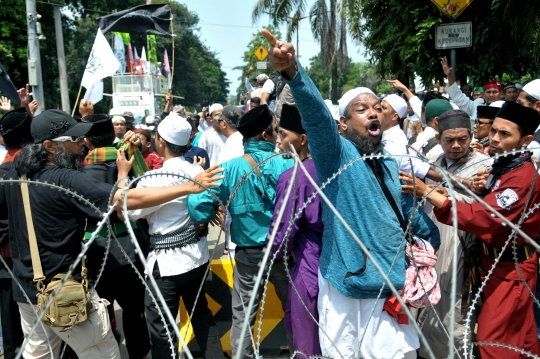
x=252, y=205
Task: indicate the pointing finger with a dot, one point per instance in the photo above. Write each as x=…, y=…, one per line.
x=271, y=39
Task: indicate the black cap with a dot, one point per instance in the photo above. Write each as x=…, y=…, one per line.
x=15, y=127
x=526, y=118
x=489, y=112
x=290, y=119
x=231, y=113
x=454, y=119
x=103, y=125
x=53, y=123
x=255, y=121
x=509, y=85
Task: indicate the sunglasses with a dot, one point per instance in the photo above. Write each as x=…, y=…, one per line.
x=73, y=139
x=477, y=122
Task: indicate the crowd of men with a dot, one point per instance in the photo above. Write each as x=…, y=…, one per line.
x=232, y=166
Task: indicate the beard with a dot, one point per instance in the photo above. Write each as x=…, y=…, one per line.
x=65, y=159
x=364, y=144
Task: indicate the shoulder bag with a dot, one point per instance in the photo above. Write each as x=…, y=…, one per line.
x=72, y=303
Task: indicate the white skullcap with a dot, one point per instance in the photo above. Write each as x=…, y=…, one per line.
x=261, y=79
x=497, y=104
x=150, y=120
x=398, y=104
x=349, y=96
x=533, y=89
x=175, y=129
x=118, y=118
x=216, y=106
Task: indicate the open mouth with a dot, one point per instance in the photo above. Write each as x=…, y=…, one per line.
x=374, y=128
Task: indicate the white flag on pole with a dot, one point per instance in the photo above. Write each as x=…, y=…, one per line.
x=95, y=93
x=101, y=62
x=120, y=53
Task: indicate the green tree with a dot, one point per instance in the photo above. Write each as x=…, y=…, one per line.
x=399, y=36
x=198, y=76
x=357, y=74
x=328, y=21
x=249, y=58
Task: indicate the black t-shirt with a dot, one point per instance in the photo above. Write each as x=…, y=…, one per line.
x=4, y=233
x=59, y=222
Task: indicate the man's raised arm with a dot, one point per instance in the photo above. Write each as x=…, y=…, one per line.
x=324, y=139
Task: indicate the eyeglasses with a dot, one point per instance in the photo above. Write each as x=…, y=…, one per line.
x=477, y=122
x=73, y=139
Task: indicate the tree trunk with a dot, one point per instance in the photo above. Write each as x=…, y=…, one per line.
x=334, y=88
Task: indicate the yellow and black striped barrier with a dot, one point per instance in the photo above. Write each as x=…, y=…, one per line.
x=218, y=293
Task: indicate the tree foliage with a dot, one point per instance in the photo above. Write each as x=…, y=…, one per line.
x=328, y=19
x=355, y=75
x=198, y=76
x=399, y=36
x=249, y=58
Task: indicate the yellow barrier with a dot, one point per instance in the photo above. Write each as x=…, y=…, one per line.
x=218, y=293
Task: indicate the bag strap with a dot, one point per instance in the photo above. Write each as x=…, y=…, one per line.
x=429, y=146
x=39, y=277
x=371, y=163
x=252, y=163
x=34, y=252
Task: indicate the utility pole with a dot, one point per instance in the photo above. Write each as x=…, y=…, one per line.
x=64, y=94
x=34, y=60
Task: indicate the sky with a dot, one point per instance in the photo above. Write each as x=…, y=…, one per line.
x=226, y=28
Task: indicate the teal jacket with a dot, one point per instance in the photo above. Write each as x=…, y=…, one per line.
x=252, y=206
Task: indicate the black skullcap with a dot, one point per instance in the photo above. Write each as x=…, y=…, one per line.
x=255, y=121
x=454, y=119
x=432, y=96
x=509, y=85
x=489, y=112
x=15, y=127
x=290, y=119
x=103, y=126
x=526, y=118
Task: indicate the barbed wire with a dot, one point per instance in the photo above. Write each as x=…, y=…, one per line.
x=264, y=269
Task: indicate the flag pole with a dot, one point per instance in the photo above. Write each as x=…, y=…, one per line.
x=76, y=101
x=172, y=38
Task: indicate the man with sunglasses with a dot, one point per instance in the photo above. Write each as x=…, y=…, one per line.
x=59, y=219
x=253, y=178
x=485, y=115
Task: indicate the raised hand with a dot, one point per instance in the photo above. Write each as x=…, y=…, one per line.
x=86, y=107
x=448, y=71
x=199, y=161
x=123, y=164
x=32, y=107
x=24, y=95
x=281, y=55
x=5, y=104
x=397, y=85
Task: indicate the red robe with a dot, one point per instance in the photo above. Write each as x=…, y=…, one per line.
x=507, y=312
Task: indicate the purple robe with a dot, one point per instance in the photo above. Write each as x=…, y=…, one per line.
x=305, y=240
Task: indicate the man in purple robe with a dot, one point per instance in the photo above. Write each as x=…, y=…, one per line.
x=304, y=239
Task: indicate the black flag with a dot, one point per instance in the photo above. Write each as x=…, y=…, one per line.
x=7, y=88
x=143, y=19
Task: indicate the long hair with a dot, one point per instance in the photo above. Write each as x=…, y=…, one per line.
x=32, y=158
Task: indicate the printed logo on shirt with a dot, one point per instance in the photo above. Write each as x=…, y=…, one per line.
x=507, y=198
x=497, y=184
